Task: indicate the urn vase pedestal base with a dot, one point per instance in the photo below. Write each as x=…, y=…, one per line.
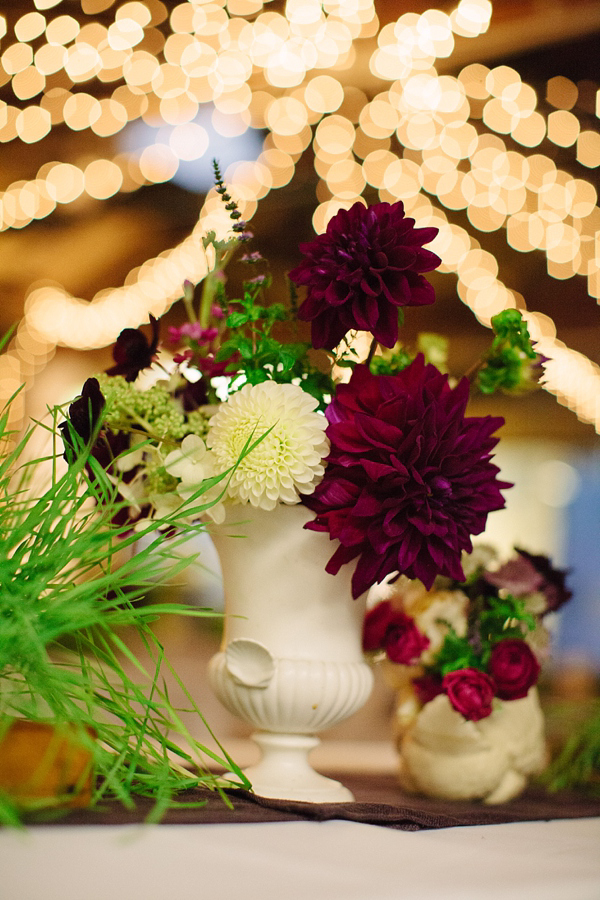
x=285, y=773
x=291, y=661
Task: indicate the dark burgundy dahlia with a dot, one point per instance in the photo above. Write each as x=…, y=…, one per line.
x=366, y=265
x=408, y=478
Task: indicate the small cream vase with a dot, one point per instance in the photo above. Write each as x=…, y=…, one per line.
x=445, y=756
x=291, y=661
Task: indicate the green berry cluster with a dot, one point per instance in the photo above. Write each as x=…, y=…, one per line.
x=511, y=364
x=153, y=411
x=158, y=481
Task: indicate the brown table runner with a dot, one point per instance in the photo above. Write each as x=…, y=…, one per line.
x=379, y=801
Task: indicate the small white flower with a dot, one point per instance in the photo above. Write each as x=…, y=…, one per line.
x=133, y=492
x=189, y=461
x=536, y=604
x=540, y=642
x=217, y=511
x=132, y=457
x=192, y=463
x=165, y=504
x=288, y=461
x=447, y=610
x=434, y=612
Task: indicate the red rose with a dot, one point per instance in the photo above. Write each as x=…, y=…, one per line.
x=375, y=625
x=403, y=642
x=514, y=668
x=427, y=687
x=470, y=692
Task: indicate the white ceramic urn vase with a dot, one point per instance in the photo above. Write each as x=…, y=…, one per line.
x=291, y=661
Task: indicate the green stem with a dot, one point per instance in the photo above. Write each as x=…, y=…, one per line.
x=206, y=299
x=210, y=282
x=372, y=350
x=474, y=369
x=188, y=300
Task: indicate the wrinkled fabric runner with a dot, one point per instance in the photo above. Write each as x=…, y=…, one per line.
x=379, y=801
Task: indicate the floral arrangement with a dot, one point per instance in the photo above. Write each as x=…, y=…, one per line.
x=479, y=640
x=246, y=413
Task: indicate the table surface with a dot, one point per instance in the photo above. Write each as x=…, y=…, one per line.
x=303, y=860
x=334, y=860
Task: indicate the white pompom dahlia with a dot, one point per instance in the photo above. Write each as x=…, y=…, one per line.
x=288, y=461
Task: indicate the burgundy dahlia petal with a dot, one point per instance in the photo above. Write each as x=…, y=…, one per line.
x=409, y=477
x=366, y=265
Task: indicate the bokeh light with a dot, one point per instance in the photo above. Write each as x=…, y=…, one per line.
x=257, y=86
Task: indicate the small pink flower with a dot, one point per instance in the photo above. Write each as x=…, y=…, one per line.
x=174, y=334
x=183, y=357
x=194, y=331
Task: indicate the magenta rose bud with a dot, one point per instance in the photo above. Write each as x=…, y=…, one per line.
x=513, y=668
x=470, y=692
x=375, y=625
x=427, y=687
x=403, y=642
x=366, y=265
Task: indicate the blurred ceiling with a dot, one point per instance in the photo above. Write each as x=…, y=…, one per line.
x=89, y=245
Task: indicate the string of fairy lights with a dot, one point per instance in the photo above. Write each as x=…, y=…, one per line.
x=437, y=142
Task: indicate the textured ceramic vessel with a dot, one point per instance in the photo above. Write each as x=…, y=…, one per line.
x=444, y=755
x=291, y=661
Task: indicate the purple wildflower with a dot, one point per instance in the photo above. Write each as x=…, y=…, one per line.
x=528, y=573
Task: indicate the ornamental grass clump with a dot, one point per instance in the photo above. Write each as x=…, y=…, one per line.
x=76, y=727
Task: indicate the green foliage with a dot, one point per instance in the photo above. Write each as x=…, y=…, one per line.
x=578, y=763
x=70, y=582
x=509, y=326
x=490, y=619
x=456, y=653
x=501, y=617
x=434, y=348
x=255, y=354
x=391, y=361
x=507, y=365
